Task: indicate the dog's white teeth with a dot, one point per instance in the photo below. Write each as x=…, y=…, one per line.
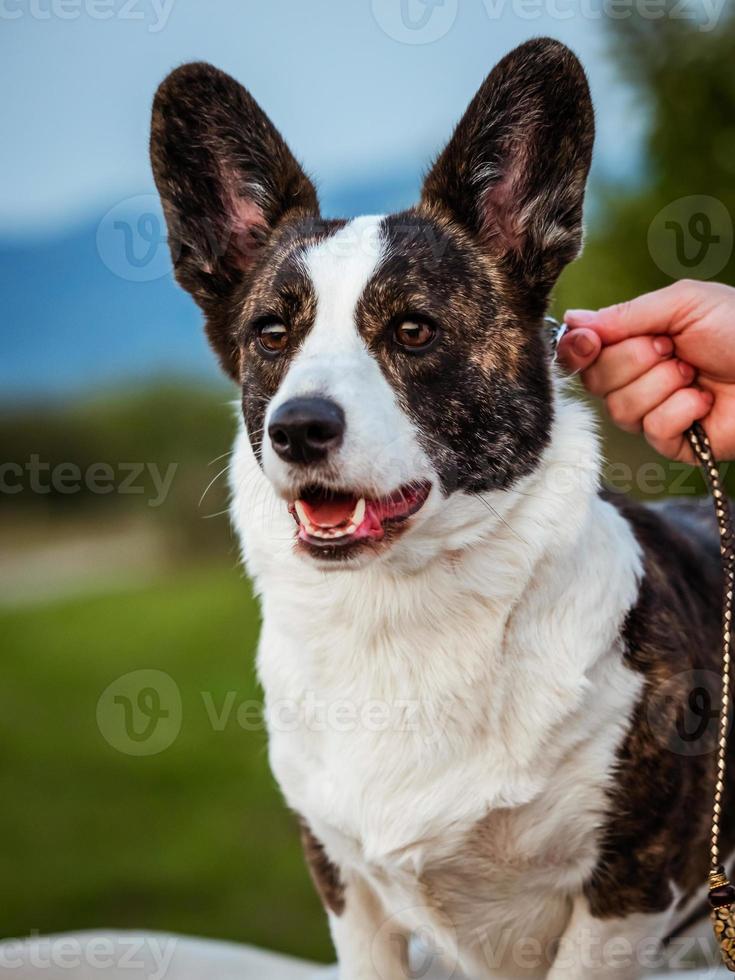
x=358, y=514
x=342, y=531
x=331, y=532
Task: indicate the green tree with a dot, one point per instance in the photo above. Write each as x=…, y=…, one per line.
x=684, y=80
x=682, y=76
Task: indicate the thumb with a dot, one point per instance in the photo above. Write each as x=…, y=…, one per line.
x=578, y=349
x=659, y=312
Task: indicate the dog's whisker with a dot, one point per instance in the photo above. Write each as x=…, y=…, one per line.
x=489, y=507
x=208, y=517
x=211, y=484
x=221, y=456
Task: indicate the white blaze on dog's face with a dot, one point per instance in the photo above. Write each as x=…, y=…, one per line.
x=384, y=363
x=376, y=475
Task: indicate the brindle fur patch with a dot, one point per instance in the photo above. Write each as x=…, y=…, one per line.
x=226, y=179
x=657, y=832
x=324, y=874
x=480, y=398
x=282, y=291
x=514, y=171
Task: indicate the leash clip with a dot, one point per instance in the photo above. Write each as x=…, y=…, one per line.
x=556, y=331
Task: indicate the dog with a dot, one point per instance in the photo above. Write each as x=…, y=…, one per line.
x=475, y=662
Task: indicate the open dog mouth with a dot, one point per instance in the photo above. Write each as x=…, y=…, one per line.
x=337, y=518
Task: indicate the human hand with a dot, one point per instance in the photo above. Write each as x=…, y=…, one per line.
x=660, y=362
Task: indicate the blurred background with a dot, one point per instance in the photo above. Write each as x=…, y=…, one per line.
x=122, y=606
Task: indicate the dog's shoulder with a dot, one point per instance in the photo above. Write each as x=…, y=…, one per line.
x=654, y=842
x=679, y=604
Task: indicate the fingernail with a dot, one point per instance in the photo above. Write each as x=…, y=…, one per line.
x=663, y=346
x=582, y=345
x=580, y=317
x=686, y=370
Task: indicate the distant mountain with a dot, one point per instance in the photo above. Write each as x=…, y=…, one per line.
x=97, y=306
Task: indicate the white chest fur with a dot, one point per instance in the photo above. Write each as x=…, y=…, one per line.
x=450, y=720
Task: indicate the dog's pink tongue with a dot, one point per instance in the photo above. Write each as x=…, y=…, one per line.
x=329, y=513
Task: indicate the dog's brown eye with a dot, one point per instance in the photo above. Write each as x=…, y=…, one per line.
x=414, y=334
x=272, y=337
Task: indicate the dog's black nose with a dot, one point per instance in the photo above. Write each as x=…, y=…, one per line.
x=306, y=430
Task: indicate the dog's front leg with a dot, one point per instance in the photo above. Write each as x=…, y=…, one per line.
x=369, y=947
x=607, y=949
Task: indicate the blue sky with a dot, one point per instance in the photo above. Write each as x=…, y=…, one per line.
x=355, y=101
x=364, y=91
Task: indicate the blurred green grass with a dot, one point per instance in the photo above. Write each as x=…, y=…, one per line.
x=195, y=839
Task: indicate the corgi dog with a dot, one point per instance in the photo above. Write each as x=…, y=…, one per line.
x=475, y=662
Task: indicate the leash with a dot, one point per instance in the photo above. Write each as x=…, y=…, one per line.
x=721, y=892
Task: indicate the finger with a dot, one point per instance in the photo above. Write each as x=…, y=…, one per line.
x=578, y=349
x=623, y=363
x=662, y=311
x=627, y=406
x=666, y=425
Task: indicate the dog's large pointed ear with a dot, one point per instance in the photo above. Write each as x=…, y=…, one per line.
x=515, y=169
x=226, y=179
